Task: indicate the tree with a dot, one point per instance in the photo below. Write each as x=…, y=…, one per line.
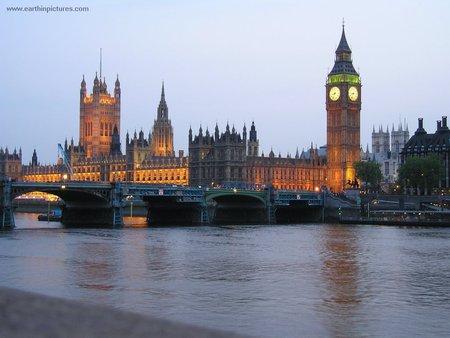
x=369, y=173
x=421, y=173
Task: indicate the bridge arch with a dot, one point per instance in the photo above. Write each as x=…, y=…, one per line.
x=234, y=194
x=237, y=206
x=84, y=205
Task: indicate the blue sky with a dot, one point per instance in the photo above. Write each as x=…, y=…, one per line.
x=235, y=61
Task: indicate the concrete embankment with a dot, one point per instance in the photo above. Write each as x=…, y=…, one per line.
x=26, y=314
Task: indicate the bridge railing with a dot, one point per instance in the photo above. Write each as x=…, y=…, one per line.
x=183, y=194
x=285, y=197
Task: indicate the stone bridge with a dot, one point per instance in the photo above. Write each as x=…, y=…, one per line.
x=85, y=203
x=101, y=204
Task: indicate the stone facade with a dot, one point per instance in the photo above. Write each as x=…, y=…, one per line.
x=99, y=117
x=144, y=161
x=230, y=160
x=10, y=164
x=422, y=144
x=386, y=148
x=343, y=103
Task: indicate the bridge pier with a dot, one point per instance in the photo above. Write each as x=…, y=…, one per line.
x=95, y=212
x=167, y=211
x=85, y=216
x=6, y=209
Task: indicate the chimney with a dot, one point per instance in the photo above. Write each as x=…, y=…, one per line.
x=420, y=119
x=439, y=125
x=444, y=121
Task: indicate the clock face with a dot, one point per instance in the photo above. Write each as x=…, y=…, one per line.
x=335, y=93
x=353, y=93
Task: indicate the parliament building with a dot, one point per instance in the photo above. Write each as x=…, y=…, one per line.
x=222, y=159
x=98, y=157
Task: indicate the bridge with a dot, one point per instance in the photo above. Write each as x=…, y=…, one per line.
x=101, y=204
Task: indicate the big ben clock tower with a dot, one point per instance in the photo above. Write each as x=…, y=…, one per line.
x=343, y=91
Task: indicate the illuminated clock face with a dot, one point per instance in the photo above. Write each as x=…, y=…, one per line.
x=353, y=93
x=335, y=93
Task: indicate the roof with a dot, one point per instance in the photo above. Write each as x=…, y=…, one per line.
x=343, y=65
x=343, y=45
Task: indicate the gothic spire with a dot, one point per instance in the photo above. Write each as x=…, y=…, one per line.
x=343, y=63
x=163, y=110
x=343, y=46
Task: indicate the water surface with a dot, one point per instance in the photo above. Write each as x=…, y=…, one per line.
x=315, y=280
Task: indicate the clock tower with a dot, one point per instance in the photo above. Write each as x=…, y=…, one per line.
x=343, y=103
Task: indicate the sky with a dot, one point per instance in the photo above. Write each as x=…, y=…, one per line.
x=234, y=61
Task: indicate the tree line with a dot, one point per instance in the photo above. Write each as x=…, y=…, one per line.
x=418, y=175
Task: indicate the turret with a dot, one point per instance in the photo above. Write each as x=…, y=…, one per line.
x=115, y=143
x=117, y=88
x=96, y=89
x=34, y=159
x=83, y=89
x=216, y=133
x=253, y=143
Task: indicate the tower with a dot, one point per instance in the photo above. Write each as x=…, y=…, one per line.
x=99, y=115
x=162, y=140
x=399, y=138
x=380, y=144
x=253, y=142
x=343, y=104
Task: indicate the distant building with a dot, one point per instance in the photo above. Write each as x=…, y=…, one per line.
x=230, y=160
x=422, y=144
x=10, y=164
x=386, y=149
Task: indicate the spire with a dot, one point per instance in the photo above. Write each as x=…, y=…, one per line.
x=343, y=62
x=343, y=46
x=163, y=110
x=96, y=82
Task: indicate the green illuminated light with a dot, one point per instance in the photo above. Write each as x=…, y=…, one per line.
x=350, y=78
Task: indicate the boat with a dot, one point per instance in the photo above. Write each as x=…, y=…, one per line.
x=52, y=216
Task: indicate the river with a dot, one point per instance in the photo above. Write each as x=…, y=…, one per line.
x=305, y=280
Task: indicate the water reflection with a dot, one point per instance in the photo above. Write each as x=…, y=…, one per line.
x=266, y=281
x=96, y=262
x=340, y=272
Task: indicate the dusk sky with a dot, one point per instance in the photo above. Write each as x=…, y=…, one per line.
x=236, y=60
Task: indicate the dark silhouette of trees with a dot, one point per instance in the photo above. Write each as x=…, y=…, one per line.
x=422, y=174
x=369, y=174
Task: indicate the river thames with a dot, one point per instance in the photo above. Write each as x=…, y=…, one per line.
x=305, y=280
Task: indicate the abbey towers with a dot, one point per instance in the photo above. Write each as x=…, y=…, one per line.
x=343, y=104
